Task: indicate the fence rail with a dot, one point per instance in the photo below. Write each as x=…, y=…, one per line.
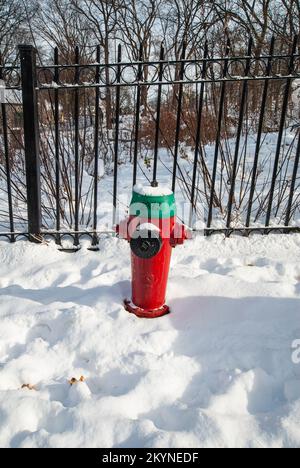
x=239, y=187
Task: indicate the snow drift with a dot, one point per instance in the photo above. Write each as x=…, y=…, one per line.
x=217, y=372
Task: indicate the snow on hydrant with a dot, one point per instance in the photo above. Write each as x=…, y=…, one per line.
x=152, y=230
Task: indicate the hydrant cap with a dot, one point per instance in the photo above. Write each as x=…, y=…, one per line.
x=146, y=243
x=152, y=202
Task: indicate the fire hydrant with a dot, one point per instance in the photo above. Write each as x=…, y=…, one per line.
x=152, y=230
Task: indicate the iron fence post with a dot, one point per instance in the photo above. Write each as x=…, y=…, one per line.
x=31, y=140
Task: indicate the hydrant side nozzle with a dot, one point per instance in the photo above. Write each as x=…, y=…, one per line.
x=122, y=229
x=180, y=234
x=188, y=234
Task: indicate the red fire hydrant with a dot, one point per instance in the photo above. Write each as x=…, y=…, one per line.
x=152, y=231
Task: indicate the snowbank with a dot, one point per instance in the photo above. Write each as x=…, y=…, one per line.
x=217, y=372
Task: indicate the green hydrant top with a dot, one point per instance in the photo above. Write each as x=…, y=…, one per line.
x=152, y=202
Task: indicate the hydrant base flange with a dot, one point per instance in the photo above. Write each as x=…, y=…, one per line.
x=146, y=313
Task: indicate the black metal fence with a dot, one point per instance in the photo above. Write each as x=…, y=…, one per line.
x=201, y=111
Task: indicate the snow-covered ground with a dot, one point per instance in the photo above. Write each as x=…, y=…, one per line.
x=219, y=371
x=222, y=370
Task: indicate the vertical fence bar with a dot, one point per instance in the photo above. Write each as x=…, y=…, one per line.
x=96, y=144
x=76, y=136
x=117, y=128
x=198, y=134
x=239, y=134
x=137, y=116
x=158, y=113
x=218, y=137
x=7, y=164
x=281, y=129
x=57, y=163
x=178, y=121
x=259, y=132
x=293, y=184
x=31, y=140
